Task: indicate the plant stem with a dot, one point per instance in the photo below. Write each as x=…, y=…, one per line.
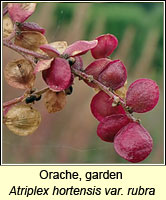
x=5, y=10
x=23, y=97
x=77, y=72
x=23, y=50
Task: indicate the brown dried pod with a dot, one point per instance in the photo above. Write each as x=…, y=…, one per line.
x=22, y=119
x=19, y=74
x=7, y=27
x=30, y=40
x=54, y=101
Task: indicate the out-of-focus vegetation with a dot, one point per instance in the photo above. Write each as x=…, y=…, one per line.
x=70, y=136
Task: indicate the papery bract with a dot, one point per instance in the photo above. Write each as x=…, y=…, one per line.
x=19, y=12
x=58, y=76
x=42, y=65
x=60, y=46
x=101, y=106
x=95, y=68
x=106, y=45
x=22, y=120
x=110, y=125
x=114, y=75
x=142, y=95
x=79, y=47
x=54, y=101
x=31, y=26
x=7, y=27
x=31, y=40
x=51, y=51
x=19, y=74
x=133, y=142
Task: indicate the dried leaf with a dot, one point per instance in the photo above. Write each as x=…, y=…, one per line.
x=19, y=74
x=31, y=40
x=7, y=27
x=22, y=119
x=54, y=101
x=19, y=12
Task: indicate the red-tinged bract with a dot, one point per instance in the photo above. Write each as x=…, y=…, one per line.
x=114, y=75
x=80, y=47
x=106, y=45
x=133, y=142
x=110, y=125
x=95, y=68
x=51, y=51
x=101, y=106
x=58, y=76
x=31, y=26
x=142, y=95
x=19, y=12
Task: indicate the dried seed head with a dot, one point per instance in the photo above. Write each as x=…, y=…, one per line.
x=22, y=119
x=19, y=74
x=54, y=101
x=7, y=27
x=31, y=40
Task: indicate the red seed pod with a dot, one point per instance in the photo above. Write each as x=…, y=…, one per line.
x=31, y=26
x=106, y=45
x=58, y=76
x=110, y=125
x=142, y=95
x=80, y=47
x=95, y=68
x=114, y=75
x=133, y=142
x=19, y=12
x=101, y=106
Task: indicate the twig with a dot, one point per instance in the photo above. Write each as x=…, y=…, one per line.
x=77, y=72
x=5, y=11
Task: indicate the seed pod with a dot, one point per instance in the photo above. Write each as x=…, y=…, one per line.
x=110, y=125
x=31, y=26
x=58, y=76
x=95, y=68
x=114, y=75
x=106, y=45
x=133, y=142
x=19, y=12
x=101, y=106
x=142, y=95
x=31, y=40
x=54, y=101
x=22, y=120
x=7, y=27
x=19, y=74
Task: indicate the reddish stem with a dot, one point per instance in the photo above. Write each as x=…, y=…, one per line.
x=5, y=11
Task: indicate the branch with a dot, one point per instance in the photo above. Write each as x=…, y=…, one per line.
x=78, y=73
x=5, y=11
x=23, y=97
x=23, y=50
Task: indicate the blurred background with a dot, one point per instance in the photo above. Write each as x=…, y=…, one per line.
x=70, y=136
